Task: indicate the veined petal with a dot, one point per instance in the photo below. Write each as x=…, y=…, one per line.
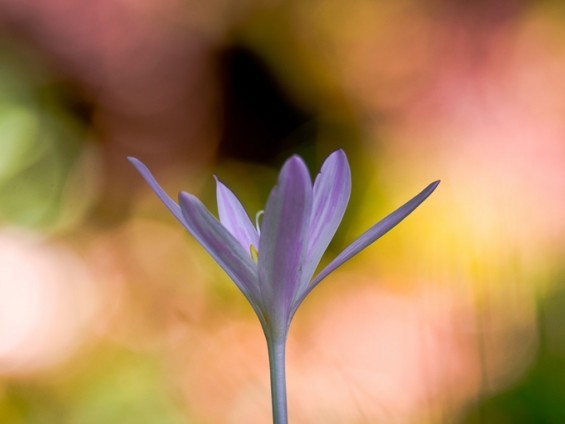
x=283, y=240
x=371, y=235
x=221, y=245
x=165, y=198
x=234, y=218
x=332, y=189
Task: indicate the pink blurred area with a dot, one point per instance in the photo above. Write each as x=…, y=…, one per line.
x=104, y=297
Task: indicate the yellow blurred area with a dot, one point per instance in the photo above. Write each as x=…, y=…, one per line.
x=111, y=312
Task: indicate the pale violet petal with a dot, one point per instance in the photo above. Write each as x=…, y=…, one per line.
x=283, y=241
x=371, y=235
x=165, y=198
x=234, y=218
x=221, y=245
x=332, y=189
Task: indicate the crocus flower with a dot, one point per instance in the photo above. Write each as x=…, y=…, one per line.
x=274, y=263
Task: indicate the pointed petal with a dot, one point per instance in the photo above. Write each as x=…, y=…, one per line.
x=146, y=173
x=221, y=245
x=371, y=235
x=283, y=240
x=332, y=189
x=234, y=218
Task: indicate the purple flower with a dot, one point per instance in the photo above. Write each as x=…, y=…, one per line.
x=274, y=263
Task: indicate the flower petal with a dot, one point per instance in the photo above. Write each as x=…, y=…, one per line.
x=234, y=218
x=165, y=198
x=371, y=235
x=283, y=241
x=221, y=245
x=332, y=189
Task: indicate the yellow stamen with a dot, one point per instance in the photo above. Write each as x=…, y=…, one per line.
x=254, y=253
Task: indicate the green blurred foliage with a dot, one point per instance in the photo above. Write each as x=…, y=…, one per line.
x=537, y=397
x=43, y=150
x=116, y=387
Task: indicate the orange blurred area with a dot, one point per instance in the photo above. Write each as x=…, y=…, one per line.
x=111, y=312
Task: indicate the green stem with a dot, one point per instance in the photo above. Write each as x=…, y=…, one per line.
x=278, y=380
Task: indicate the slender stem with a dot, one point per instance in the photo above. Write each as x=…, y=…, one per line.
x=278, y=379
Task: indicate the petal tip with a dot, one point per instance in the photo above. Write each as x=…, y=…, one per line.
x=294, y=165
x=219, y=183
x=295, y=160
x=337, y=157
x=185, y=197
x=339, y=152
x=221, y=188
x=185, y=194
x=187, y=202
x=141, y=168
x=134, y=161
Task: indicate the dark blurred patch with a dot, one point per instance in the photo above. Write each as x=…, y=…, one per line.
x=539, y=397
x=259, y=120
x=74, y=101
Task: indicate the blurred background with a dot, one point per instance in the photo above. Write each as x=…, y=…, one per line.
x=111, y=313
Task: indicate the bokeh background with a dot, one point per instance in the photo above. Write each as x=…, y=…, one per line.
x=111, y=313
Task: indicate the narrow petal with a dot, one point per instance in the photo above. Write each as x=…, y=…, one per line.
x=283, y=240
x=234, y=218
x=169, y=203
x=221, y=245
x=371, y=235
x=332, y=189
